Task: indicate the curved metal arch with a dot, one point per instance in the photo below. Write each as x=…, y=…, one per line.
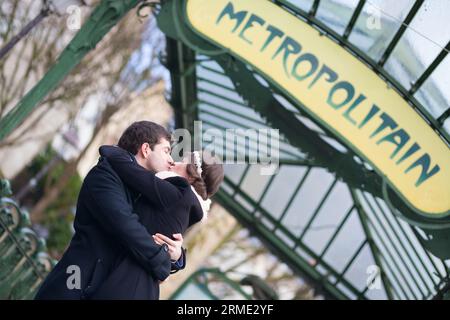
x=407, y=94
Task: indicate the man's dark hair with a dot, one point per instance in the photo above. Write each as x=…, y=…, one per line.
x=141, y=132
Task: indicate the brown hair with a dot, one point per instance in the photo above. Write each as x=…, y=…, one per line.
x=141, y=132
x=209, y=182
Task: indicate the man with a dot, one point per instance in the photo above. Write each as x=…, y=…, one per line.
x=106, y=229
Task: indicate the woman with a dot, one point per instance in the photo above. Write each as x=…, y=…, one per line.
x=187, y=189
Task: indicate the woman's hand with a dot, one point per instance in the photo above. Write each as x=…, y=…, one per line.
x=174, y=245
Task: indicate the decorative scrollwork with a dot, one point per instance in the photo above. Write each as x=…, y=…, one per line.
x=23, y=260
x=154, y=7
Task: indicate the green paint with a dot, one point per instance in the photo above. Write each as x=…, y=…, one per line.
x=104, y=17
x=302, y=65
x=249, y=24
x=413, y=149
x=24, y=260
x=424, y=162
x=398, y=138
x=274, y=32
x=289, y=46
x=356, y=103
x=309, y=57
x=344, y=85
x=373, y=111
x=229, y=11
x=387, y=121
x=325, y=70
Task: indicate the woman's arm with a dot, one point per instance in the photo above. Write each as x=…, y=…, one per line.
x=158, y=192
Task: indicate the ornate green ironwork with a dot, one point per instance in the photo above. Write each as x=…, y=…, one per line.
x=343, y=164
x=290, y=256
x=171, y=21
x=407, y=94
x=200, y=284
x=181, y=60
x=396, y=247
x=105, y=16
x=24, y=262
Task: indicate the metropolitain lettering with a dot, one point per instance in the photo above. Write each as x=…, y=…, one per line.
x=342, y=96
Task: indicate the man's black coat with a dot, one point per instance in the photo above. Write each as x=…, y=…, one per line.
x=106, y=230
x=164, y=206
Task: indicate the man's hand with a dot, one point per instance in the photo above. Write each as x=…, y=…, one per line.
x=174, y=245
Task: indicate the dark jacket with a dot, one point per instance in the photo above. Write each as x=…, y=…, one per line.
x=164, y=206
x=106, y=231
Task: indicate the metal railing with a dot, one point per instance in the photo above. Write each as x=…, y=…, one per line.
x=24, y=262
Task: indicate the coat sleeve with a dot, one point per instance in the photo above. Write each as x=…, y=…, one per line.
x=180, y=264
x=160, y=193
x=111, y=209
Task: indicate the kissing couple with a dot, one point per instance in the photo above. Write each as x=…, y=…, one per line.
x=132, y=210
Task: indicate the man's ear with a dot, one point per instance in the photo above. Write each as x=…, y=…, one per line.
x=145, y=150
